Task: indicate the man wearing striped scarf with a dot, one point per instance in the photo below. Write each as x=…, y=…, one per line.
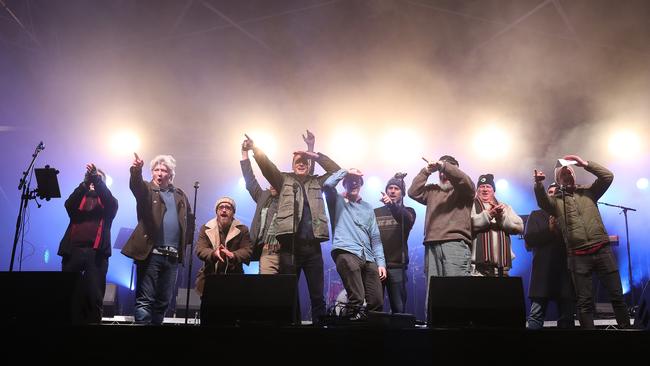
x=492, y=224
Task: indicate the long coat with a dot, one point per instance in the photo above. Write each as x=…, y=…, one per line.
x=549, y=277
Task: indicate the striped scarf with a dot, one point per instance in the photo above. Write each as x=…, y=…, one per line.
x=493, y=245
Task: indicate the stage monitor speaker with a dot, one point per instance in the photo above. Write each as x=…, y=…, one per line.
x=110, y=303
x=37, y=297
x=249, y=299
x=195, y=303
x=476, y=302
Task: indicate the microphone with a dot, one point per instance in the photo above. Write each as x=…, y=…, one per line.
x=40, y=146
x=196, y=185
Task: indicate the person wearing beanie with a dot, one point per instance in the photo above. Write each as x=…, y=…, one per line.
x=492, y=224
x=588, y=249
x=549, y=275
x=306, y=225
x=395, y=222
x=224, y=243
x=447, y=224
x=357, y=250
x=86, y=244
x=266, y=248
x=157, y=245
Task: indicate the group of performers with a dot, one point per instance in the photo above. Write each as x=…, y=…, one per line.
x=466, y=233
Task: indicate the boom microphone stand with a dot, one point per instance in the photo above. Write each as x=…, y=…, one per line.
x=624, y=211
x=191, y=259
x=25, y=196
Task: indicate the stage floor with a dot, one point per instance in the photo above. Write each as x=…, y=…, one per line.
x=175, y=343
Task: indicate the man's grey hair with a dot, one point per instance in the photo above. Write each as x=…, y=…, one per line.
x=166, y=160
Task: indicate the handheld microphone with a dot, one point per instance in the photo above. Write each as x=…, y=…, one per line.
x=196, y=185
x=40, y=146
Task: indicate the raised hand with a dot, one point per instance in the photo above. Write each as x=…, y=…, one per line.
x=581, y=162
x=538, y=175
x=385, y=199
x=137, y=162
x=310, y=140
x=248, y=144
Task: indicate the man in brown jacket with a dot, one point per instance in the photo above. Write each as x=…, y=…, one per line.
x=224, y=243
x=447, y=222
x=165, y=226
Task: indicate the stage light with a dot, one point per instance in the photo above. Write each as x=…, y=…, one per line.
x=625, y=144
x=348, y=146
x=46, y=256
x=502, y=185
x=373, y=185
x=642, y=183
x=265, y=141
x=125, y=143
x=409, y=145
x=242, y=183
x=492, y=142
x=109, y=181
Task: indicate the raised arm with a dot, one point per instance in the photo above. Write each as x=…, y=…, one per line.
x=604, y=178
x=269, y=170
x=136, y=183
x=461, y=181
x=310, y=140
x=543, y=200
x=418, y=190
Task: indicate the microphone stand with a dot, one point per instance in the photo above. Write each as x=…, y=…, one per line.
x=190, y=258
x=25, y=196
x=624, y=210
x=293, y=248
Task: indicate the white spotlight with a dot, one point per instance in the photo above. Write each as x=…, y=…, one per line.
x=642, y=183
x=492, y=142
x=109, y=181
x=373, y=184
x=125, y=143
x=502, y=185
x=625, y=144
x=242, y=183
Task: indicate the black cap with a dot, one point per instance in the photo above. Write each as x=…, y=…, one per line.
x=486, y=179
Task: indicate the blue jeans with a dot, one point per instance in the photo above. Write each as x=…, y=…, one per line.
x=446, y=259
x=396, y=288
x=538, y=308
x=154, y=288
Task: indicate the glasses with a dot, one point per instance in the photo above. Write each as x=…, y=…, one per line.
x=224, y=208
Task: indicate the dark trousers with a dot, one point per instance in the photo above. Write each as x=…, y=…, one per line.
x=395, y=285
x=89, y=294
x=307, y=258
x=360, y=279
x=604, y=265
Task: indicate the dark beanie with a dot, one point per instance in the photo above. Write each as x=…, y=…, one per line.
x=486, y=179
x=449, y=159
x=397, y=180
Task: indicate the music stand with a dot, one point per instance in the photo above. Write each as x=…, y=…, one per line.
x=48, y=185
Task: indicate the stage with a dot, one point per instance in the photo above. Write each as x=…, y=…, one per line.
x=174, y=343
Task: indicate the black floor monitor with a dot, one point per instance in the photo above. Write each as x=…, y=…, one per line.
x=476, y=302
x=37, y=297
x=248, y=299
